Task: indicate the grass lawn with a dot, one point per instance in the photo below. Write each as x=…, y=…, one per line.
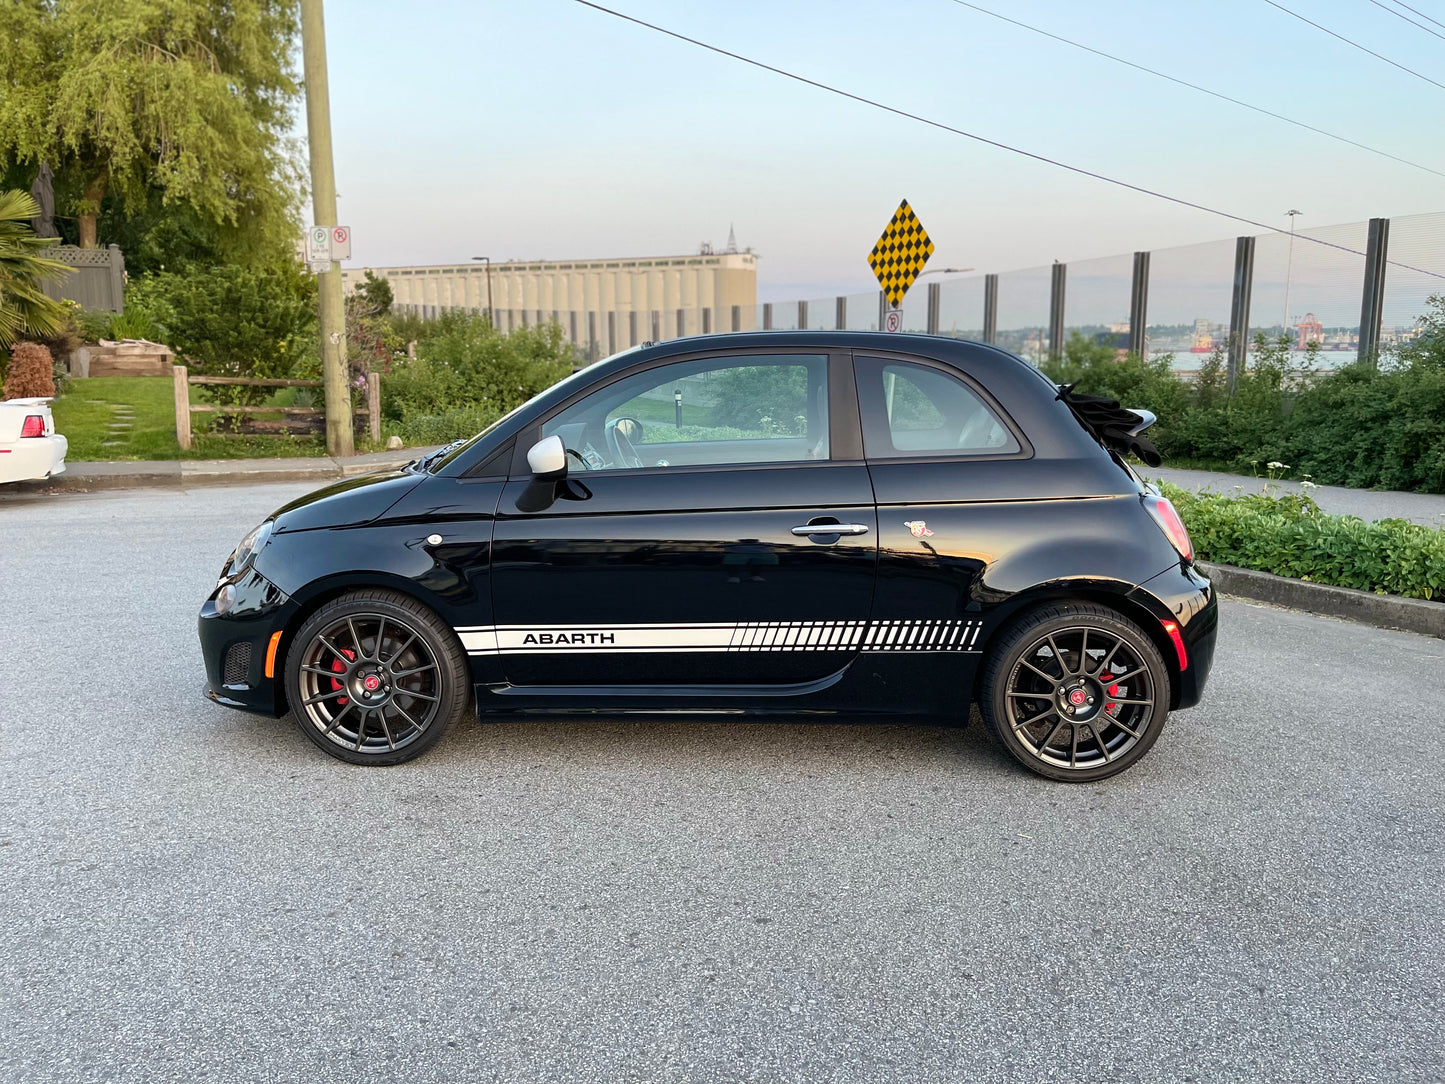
x=134, y=417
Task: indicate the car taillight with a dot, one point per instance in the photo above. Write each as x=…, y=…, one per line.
x=1169, y=522
x=34, y=426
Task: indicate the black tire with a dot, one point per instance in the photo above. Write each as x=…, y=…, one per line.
x=1075, y=691
x=375, y=677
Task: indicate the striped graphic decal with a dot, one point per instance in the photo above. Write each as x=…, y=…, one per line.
x=849, y=636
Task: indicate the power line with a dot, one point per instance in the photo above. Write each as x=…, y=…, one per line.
x=1196, y=86
x=1412, y=22
x=1420, y=13
x=978, y=138
x=1356, y=44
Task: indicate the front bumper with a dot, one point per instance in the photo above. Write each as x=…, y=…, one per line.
x=1186, y=597
x=234, y=645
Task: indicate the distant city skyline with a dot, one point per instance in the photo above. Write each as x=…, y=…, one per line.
x=550, y=131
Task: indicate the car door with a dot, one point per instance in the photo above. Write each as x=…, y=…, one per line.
x=689, y=543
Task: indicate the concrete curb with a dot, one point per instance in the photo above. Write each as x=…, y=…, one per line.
x=1382, y=611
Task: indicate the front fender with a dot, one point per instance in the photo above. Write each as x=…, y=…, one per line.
x=449, y=577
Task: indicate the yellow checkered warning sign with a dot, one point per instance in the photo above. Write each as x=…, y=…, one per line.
x=900, y=253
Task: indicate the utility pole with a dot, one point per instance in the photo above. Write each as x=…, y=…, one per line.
x=323, y=206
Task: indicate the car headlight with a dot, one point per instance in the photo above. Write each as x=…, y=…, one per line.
x=249, y=547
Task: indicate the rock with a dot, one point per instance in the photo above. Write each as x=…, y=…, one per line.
x=394, y=444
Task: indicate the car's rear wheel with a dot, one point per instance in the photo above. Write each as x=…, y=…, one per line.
x=1075, y=691
x=375, y=677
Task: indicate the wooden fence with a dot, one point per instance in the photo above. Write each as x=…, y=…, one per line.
x=185, y=408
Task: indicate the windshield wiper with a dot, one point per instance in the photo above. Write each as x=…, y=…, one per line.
x=426, y=461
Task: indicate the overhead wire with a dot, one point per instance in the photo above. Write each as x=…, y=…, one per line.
x=1196, y=86
x=1420, y=13
x=1178, y=200
x=1357, y=45
x=1412, y=22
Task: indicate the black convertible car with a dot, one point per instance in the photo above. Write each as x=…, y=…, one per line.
x=792, y=525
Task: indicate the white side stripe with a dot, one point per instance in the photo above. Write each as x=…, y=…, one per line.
x=837, y=636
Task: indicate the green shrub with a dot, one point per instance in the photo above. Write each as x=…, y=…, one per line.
x=233, y=321
x=93, y=325
x=134, y=323
x=418, y=430
x=1386, y=428
x=1290, y=536
x=1355, y=427
x=466, y=368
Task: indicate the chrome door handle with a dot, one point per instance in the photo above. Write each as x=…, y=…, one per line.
x=831, y=528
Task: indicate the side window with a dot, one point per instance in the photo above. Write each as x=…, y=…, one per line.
x=918, y=410
x=705, y=412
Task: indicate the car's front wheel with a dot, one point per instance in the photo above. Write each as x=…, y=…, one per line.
x=1075, y=691
x=375, y=677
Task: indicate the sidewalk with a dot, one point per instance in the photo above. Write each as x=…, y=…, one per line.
x=179, y=473
x=1368, y=504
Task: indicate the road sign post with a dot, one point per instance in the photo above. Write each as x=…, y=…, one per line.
x=896, y=260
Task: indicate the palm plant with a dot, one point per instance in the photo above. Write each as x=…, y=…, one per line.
x=24, y=308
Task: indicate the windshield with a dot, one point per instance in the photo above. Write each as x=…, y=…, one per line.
x=580, y=377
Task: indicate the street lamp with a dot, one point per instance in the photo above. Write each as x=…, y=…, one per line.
x=1288, y=267
x=491, y=316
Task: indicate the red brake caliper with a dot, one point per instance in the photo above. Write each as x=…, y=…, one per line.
x=340, y=668
x=1112, y=690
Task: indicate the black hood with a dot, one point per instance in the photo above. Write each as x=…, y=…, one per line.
x=348, y=502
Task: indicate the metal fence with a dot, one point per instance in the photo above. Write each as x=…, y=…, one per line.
x=1353, y=290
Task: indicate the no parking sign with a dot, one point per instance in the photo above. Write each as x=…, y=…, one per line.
x=327, y=243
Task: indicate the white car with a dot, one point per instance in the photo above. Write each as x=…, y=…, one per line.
x=30, y=448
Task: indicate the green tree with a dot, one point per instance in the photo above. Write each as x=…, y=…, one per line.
x=148, y=109
x=24, y=308
x=375, y=294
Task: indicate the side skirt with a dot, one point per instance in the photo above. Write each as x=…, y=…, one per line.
x=874, y=685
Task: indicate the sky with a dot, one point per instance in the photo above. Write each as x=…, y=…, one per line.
x=544, y=129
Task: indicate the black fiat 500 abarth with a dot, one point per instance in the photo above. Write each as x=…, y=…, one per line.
x=784, y=525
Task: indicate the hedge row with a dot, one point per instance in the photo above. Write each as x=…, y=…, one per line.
x=1364, y=425
x=1290, y=536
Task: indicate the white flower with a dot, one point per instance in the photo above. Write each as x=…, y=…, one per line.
x=1274, y=464
x=1307, y=486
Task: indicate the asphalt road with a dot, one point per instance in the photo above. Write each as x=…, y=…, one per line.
x=192, y=894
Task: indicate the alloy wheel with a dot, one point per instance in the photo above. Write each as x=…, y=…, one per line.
x=1079, y=698
x=369, y=683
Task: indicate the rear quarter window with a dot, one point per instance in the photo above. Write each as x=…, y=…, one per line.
x=916, y=410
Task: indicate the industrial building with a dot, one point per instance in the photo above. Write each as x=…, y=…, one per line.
x=601, y=305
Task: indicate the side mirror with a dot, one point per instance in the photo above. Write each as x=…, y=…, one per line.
x=548, y=458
